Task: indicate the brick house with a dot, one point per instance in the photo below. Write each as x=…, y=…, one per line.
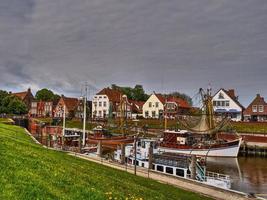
x=70, y=105
x=257, y=110
x=41, y=109
x=26, y=97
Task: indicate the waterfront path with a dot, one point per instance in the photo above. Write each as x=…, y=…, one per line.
x=186, y=184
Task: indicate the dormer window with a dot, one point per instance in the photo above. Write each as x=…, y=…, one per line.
x=221, y=96
x=254, y=108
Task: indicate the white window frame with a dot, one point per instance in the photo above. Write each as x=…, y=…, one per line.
x=254, y=108
x=261, y=108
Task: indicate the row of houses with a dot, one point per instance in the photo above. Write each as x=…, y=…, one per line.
x=112, y=103
x=73, y=106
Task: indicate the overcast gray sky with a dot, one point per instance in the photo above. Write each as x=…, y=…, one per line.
x=170, y=45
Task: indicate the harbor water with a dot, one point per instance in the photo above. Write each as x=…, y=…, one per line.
x=248, y=174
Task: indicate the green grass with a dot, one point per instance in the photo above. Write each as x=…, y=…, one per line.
x=5, y=120
x=29, y=171
x=249, y=127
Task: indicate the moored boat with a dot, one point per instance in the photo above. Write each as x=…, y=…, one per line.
x=201, y=137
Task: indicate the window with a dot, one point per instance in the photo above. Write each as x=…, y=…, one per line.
x=150, y=104
x=146, y=114
x=100, y=103
x=100, y=112
x=261, y=108
x=221, y=96
x=100, y=97
x=153, y=114
x=169, y=170
x=180, y=172
x=223, y=103
x=214, y=103
x=104, y=104
x=160, y=168
x=157, y=104
x=105, y=97
x=254, y=108
x=227, y=103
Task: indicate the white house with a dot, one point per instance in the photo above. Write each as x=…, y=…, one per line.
x=104, y=103
x=154, y=106
x=225, y=102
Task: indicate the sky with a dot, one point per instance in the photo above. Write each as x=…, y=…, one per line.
x=174, y=45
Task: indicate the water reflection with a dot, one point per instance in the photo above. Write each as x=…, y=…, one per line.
x=248, y=174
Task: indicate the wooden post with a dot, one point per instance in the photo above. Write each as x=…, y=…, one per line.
x=150, y=155
x=122, y=154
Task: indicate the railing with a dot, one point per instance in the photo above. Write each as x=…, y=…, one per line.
x=217, y=176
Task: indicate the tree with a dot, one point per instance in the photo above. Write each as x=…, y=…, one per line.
x=137, y=93
x=10, y=104
x=46, y=95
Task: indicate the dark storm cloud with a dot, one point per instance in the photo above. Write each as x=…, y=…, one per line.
x=164, y=45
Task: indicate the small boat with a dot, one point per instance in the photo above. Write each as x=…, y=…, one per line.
x=201, y=138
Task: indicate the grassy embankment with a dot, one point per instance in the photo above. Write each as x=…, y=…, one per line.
x=29, y=171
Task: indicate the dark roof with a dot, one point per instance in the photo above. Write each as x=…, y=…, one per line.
x=161, y=98
x=22, y=95
x=113, y=95
x=70, y=103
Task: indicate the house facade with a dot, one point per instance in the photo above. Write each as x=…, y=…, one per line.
x=26, y=97
x=105, y=103
x=136, y=108
x=175, y=106
x=225, y=103
x=154, y=107
x=70, y=106
x=257, y=110
x=41, y=109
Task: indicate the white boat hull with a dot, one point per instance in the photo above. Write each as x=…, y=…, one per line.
x=229, y=151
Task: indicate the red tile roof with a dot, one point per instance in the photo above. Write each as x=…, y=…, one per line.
x=161, y=98
x=113, y=95
x=20, y=95
x=180, y=102
x=70, y=103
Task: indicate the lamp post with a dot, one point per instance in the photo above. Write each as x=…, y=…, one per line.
x=84, y=118
x=64, y=125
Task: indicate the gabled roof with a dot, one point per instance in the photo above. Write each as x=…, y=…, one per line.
x=70, y=103
x=113, y=95
x=22, y=95
x=257, y=101
x=231, y=94
x=161, y=98
x=138, y=103
x=180, y=102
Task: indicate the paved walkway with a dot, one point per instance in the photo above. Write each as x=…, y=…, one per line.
x=185, y=184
